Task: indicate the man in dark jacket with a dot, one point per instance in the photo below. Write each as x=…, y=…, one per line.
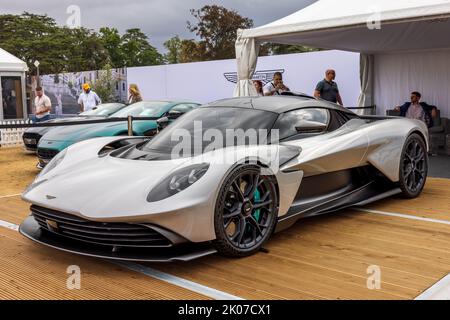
x=418, y=110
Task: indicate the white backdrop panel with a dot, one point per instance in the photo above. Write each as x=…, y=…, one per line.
x=206, y=81
x=398, y=74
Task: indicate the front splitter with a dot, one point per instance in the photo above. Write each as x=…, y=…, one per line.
x=31, y=229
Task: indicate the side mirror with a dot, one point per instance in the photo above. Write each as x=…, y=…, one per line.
x=306, y=126
x=162, y=123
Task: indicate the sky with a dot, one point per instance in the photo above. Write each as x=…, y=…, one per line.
x=159, y=19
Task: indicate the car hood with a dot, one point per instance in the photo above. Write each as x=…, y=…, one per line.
x=76, y=133
x=117, y=189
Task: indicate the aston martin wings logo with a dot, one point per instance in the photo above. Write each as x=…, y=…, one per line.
x=264, y=76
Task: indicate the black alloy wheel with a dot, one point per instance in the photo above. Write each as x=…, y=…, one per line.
x=246, y=211
x=413, y=166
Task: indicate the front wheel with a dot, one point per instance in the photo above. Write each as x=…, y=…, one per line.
x=413, y=166
x=246, y=211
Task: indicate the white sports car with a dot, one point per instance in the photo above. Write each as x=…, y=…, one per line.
x=135, y=198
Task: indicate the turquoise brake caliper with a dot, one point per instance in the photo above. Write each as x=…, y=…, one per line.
x=257, y=199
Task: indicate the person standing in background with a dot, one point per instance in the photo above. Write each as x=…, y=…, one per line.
x=135, y=94
x=43, y=106
x=327, y=89
x=88, y=100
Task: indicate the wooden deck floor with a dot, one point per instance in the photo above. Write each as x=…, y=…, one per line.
x=326, y=257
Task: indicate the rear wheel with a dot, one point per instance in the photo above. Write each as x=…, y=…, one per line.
x=413, y=166
x=246, y=212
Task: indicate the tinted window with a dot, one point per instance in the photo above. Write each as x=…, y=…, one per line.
x=184, y=107
x=104, y=110
x=289, y=121
x=143, y=109
x=222, y=120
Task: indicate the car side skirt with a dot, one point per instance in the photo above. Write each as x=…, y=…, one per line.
x=337, y=190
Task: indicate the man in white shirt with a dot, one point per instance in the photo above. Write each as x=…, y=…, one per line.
x=88, y=100
x=276, y=86
x=43, y=106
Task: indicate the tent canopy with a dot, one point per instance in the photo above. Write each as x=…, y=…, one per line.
x=10, y=63
x=366, y=26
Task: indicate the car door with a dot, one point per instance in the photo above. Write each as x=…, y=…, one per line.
x=327, y=145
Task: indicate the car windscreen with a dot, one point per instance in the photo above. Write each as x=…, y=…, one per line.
x=221, y=126
x=143, y=109
x=106, y=109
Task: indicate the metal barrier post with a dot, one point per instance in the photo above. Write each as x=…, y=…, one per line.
x=130, y=125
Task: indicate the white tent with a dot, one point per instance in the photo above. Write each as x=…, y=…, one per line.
x=404, y=45
x=10, y=63
x=12, y=86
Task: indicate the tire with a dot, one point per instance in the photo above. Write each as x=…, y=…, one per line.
x=413, y=166
x=245, y=216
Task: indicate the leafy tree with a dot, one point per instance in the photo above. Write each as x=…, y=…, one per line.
x=112, y=41
x=184, y=50
x=217, y=28
x=173, y=46
x=59, y=49
x=87, y=50
x=31, y=37
x=137, y=51
x=104, y=85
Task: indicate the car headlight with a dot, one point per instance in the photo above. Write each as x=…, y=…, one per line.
x=177, y=181
x=54, y=162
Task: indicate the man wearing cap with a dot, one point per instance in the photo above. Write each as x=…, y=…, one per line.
x=88, y=100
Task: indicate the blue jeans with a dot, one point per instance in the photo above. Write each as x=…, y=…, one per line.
x=35, y=119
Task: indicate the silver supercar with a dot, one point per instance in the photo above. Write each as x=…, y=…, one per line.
x=130, y=198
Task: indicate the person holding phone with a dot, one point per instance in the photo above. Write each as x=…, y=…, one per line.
x=276, y=86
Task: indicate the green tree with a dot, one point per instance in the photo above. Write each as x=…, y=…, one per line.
x=217, y=28
x=104, y=85
x=137, y=50
x=184, y=50
x=112, y=41
x=87, y=50
x=59, y=49
x=32, y=37
x=173, y=46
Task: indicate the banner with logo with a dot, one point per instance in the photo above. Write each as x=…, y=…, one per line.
x=208, y=81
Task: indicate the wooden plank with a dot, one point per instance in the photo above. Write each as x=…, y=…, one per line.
x=433, y=203
x=324, y=257
x=327, y=257
x=30, y=271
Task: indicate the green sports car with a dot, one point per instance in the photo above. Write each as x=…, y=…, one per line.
x=60, y=138
x=32, y=136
